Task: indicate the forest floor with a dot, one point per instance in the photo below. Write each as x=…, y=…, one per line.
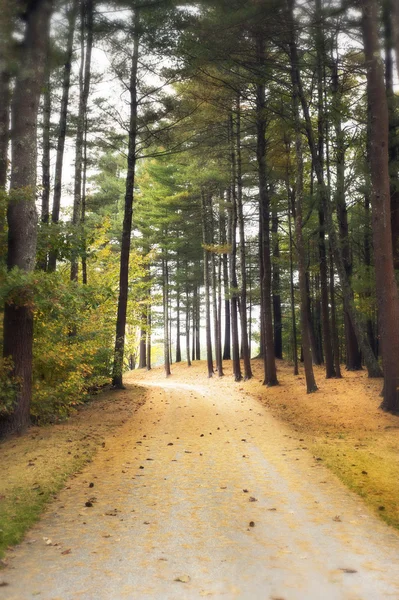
x=200, y=489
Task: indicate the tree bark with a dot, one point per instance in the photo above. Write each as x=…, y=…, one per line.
x=21, y=213
x=306, y=348
x=205, y=242
x=243, y=260
x=84, y=89
x=165, y=296
x=128, y=213
x=277, y=314
x=62, y=127
x=270, y=372
x=233, y=259
x=386, y=287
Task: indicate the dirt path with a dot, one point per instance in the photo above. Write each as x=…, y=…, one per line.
x=175, y=494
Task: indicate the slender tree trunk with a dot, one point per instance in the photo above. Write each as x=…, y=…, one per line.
x=243, y=260
x=290, y=206
x=45, y=212
x=166, y=341
x=233, y=260
x=226, y=287
x=55, y=216
x=277, y=321
x=216, y=328
x=84, y=88
x=83, y=214
x=270, y=378
x=128, y=213
x=143, y=340
x=353, y=357
x=178, y=333
x=149, y=324
x=187, y=322
x=386, y=287
x=45, y=192
x=21, y=213
x=334, y=324
x=306, y=348
x=205, y=242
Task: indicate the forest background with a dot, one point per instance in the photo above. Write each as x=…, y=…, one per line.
x=235, y=168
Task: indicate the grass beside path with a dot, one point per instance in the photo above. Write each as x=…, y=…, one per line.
x=35, y=466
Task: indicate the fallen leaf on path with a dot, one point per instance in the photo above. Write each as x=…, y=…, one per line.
x=183, y=578
x=272, y=509
x=253, y=499
x=246, y=491
x=337, y=519
x=252, y=523
x=345, y=570
x=3, y=583
x=66, y=551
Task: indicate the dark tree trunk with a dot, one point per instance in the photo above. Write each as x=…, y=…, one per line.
x=165, y=296
x=216, y=316
x=353, y=356
x=45, y=192
x=386, y=287
x=291, y=209
x=325, y=318
x=187, y=323
x=207, y=286
x=21, y=213
x=83, y=213
x=178, y=341
x=233, y=259
x=278, y=322
x=149, y=323
x=334, y=324
x=55, y=215
x=316, y=354
x=243, y=260
x=143, y=340
x=226, y=287
x=128, y=214
x=46, y=152
x=86, y=30
x=270, y=372
x=306, y=348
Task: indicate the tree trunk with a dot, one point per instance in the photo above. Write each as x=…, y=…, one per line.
x=165, y=296
x=128, y=214
x=143, y=340
x=55, y=215
x=178, y=341
x=149, y=323
x=270, y=372
x=232, y=201
x=21, y=213
x=290, y=206
x=215, y=312
x=187, y=323
x=209, y=357
x=306, y=348
x=386, y=287
x=334, y=324
x=243, y=260
x=84, y=88
x=226, y=287
x=278, y=323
